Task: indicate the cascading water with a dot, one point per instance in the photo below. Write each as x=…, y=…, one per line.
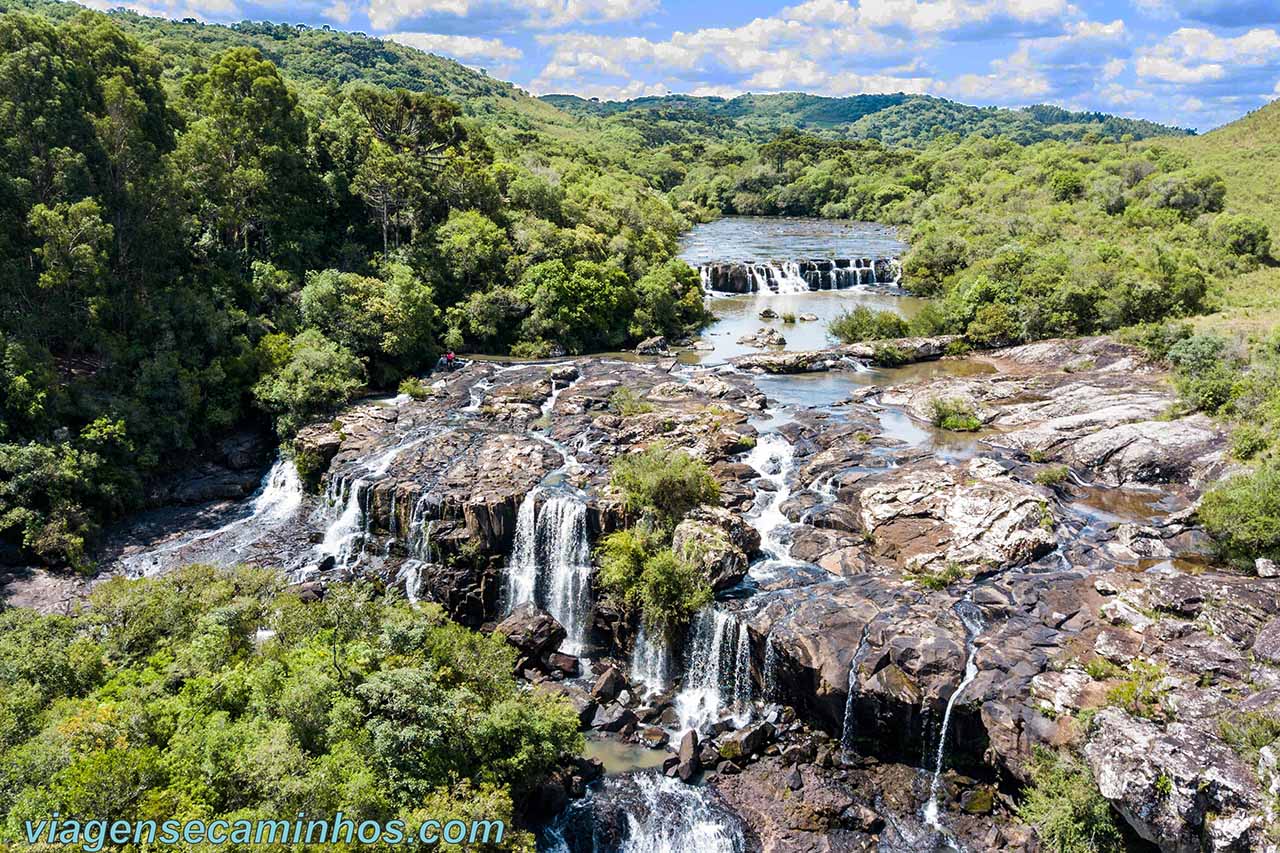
x=278, y=499
x=971, y=616
x=564, y=518
x=663, y=815
x=698, y=702
x=773, y=457
x=550, y=562
x=847, y=728
x=650, y=662
x=717, y=670
x=341, y=536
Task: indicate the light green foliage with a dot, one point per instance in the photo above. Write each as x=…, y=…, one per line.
x=1052, y=475
x=162, y=700
x=663, y=484
x=628, y=403
x=1242, y=236
x=1243, y=513
x=865, y=324
x=953, y=414
x=1206, y=371
x=1064, y=805
x=643, y=573
x=1140, y=692
x=315, y=376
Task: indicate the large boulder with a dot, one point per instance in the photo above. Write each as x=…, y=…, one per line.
x=764, y=337
x=534, y=633
x=931, y=518
x=1179, y=788
x=718, y=541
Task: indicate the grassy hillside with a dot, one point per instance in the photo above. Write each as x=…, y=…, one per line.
x=896, y=119
x=1247, y=155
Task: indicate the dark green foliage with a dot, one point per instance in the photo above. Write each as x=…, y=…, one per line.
x=164, y=699
x=1206, y=371
x=1064, y=805
x=191, y=241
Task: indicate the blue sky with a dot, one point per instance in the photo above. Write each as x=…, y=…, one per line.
x=1197, y=63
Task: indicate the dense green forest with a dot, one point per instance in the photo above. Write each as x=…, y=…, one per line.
x=204, y=227
x=212, y=694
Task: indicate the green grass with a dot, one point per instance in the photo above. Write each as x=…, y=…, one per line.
x=1246, y=153
x=954, y=415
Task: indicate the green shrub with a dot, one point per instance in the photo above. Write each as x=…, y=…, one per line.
x=639, y=571
x=1242, y=236
x=953, y=414
x=628, y=403
x=415, y=388
x=318, y=375
x=1101, y=669
x=1249, y=440
x=663, y=484
x=1243, y=513
x=1156, y=339
x=1064, y=805
x=531, y=349
x=993, y=325
x=1066, y=186
x=864, y=324
x=1140, y=692
x=1248, y=732
x=887, y=355
x=788, y=317
x=1054, y=475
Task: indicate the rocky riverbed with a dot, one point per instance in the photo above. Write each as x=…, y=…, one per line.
x=904, y=614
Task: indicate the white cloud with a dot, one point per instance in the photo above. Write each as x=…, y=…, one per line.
x=384, y=14
x=467, y=48
x=1193, y=55
x=939, y=16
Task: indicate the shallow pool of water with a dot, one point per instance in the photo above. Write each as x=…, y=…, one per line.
x=766, y=238
x=618, y=757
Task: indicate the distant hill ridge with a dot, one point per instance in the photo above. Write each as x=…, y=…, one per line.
x=894, y=119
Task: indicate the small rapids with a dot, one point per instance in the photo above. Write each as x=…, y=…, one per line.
x=644, y=812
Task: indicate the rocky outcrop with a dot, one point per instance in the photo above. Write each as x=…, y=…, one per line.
x=935, y=519
x=764, y=337
x=847, y=357
x=718, y=541
x=1178, y=787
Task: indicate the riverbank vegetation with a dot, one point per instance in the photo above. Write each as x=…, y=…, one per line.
x=213, y=694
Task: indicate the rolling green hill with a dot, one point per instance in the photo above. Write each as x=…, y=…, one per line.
x=896, y=119
x=1247, y=155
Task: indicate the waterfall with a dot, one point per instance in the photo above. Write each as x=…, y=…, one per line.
x=698, y=702
x=663, y=815
x=278, y=498
x=341, y=536
x=550, y=562
x=522, y=565
x=971, y=616
x=846, y=729
x=564, y=520
x=770, y=674
x=743, y=685
x=650, y=663
x=773, y=457
x=717, y=670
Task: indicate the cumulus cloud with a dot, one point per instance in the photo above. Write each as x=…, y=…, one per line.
x=464, y=48
x=1193, y=55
